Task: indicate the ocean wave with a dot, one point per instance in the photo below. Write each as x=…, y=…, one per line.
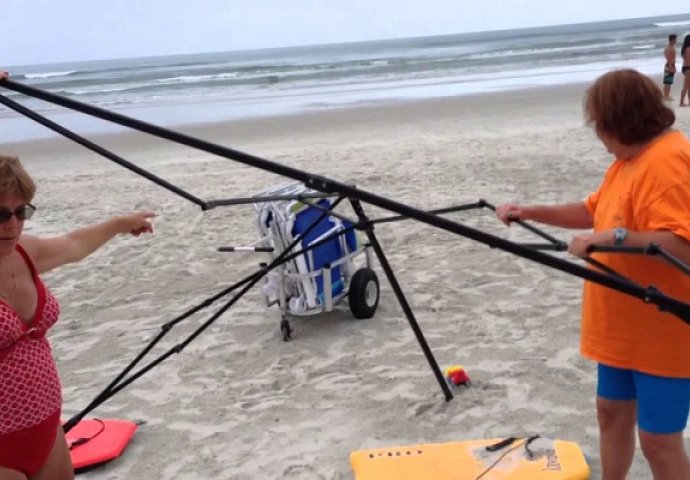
x=281, y=73
x=29, y=76
x=542, y=51
x=195, y=78
x=94, y=90
x=672, y=24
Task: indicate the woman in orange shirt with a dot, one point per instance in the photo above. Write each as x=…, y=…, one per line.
x=643, y=354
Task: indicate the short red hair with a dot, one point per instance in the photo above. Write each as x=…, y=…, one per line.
x=628, y=106
x=15, y=179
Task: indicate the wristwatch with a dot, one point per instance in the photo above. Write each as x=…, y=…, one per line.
x=619, y=236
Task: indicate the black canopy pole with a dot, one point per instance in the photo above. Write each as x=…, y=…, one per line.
x=650, y=250
x=157, y=131
x=437, y=211
x=560, y=246
x=323, y=184
x=100, y=150
x=122, y=380
x=402, y=300
x=529, y=227
x=263, y=199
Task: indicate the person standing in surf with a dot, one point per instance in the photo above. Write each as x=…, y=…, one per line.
x=32, y=443
x=642, y=353
x=685, y=56
x=670, y=65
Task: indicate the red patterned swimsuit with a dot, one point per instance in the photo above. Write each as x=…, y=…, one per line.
x=30, y=391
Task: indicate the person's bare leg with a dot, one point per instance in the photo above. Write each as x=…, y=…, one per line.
x=616, y=436
x=684, y=90
x=667, y=91
x=666, y=455
x=7, y=474
x=59, y=463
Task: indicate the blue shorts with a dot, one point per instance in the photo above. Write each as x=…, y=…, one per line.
x=663, y=403
x=668, y=78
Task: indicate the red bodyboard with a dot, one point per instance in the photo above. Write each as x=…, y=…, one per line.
x=96, y=441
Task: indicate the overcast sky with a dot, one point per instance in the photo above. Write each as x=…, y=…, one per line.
x=48, y=31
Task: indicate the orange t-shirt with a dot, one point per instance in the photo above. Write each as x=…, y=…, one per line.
x=647, y=193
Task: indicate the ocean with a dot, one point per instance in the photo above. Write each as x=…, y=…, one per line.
x=182, y=89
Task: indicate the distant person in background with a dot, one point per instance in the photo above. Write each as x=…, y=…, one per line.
x=4, y=75
x=685, y=55
x=670, y=66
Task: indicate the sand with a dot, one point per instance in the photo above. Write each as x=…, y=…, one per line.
x=238, y=402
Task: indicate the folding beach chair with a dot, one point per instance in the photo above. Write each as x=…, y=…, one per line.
x=325, y=273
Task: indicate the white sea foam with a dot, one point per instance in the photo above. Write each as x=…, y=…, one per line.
x=672, y=24
x=49, y=74
x=284, y=80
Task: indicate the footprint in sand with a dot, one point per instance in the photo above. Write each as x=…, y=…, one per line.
x=301, y=472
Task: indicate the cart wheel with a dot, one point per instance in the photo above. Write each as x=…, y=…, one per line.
x=364, y=293
x=286, y=329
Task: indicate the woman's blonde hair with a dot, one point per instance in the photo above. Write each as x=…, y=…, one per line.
x=15, y=179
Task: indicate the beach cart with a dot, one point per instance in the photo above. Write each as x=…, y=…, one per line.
x=324, y=270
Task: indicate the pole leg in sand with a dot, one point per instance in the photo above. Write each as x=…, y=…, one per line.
x=383, y=260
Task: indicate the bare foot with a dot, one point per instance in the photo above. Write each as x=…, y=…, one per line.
x=683, y=105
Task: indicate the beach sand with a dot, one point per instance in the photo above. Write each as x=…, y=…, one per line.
x=238, y=402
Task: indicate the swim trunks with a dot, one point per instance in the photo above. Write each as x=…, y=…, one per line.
x=668, y=76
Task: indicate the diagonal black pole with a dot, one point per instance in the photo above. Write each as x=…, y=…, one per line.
x=649, y=294
x=377, y=248
x=561, y=246
x=650, y=250
x=397, y=290
x=263, y=199
x=437, y=211
x=165, y=329
x=122, y=380
x=527, y=226
x=160, y=132
x=100, y=150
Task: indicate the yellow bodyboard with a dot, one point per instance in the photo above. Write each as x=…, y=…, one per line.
x=541, y=459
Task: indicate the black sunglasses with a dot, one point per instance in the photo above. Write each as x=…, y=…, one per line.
x=23, y=212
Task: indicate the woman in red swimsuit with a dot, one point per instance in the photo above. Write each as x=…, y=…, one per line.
x=32, y=444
